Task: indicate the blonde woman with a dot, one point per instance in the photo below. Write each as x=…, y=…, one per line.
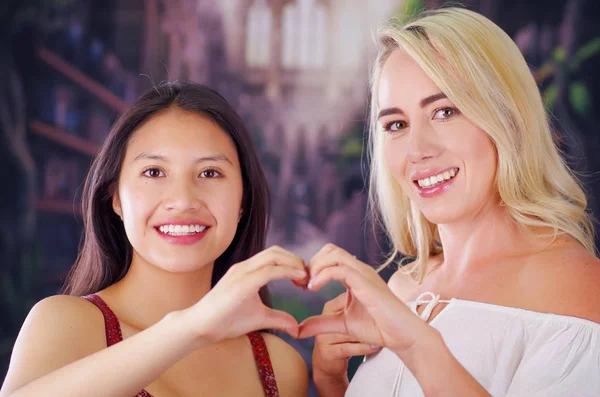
x=503, y=295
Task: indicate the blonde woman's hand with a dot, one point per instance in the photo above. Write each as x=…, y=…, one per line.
x=371, y=313
x=233, y=306
x=332, y=352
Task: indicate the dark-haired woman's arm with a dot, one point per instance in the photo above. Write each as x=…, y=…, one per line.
x=54, y=354
x=60, y=350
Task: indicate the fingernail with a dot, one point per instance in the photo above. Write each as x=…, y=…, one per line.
x=310, y=283
x=374, y=347
x=300, y=273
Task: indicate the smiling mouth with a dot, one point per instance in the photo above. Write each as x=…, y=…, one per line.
x=434, y=180
x=181, y=230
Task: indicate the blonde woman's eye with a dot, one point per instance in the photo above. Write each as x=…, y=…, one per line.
x=210, y=174
x=153, y=173
x=395, y=126
x=445, y=113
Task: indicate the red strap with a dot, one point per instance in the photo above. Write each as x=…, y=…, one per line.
x=113, y=329
x=263, y=362
x=111, y=324
x=259, y=347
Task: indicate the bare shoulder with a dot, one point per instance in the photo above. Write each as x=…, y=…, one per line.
x=567, y=277
x=289, y=367
x=57, y=331
x=403, y=284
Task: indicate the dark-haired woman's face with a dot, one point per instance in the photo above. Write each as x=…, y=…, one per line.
x=180, y=191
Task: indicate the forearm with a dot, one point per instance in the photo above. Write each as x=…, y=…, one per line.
x=329, y=386
x=438, y=372
x=122, y=369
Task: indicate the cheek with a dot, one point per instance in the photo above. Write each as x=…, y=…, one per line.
x=395, y=160
x=481, y=159
x=137, y=201
x=225, y=204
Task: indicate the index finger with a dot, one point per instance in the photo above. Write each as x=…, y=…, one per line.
x=276, y=256
x=335, y=305
x=335, y=257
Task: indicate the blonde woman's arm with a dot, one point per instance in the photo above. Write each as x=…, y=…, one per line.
x=331, y=354
x=373, y=315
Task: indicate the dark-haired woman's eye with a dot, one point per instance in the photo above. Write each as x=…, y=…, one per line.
x=210, y=174
x=153, y=173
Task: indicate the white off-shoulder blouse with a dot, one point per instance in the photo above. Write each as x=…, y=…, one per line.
x=511, y=352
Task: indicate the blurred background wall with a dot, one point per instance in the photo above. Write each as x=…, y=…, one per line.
x=296, y=71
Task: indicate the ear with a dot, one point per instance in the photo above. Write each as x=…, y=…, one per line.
x=240, y=215
x=116, y=204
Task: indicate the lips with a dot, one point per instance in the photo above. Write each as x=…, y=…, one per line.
x=431, y=179
x=177, y=230
x=178, y=236
x=182, y=231
x=434, y=182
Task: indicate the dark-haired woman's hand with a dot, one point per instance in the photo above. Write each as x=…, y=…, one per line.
x=371, y=313
x=233, y=306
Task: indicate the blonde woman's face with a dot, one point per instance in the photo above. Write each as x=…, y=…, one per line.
x=444, y=163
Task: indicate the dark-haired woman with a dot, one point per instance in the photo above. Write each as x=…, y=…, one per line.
x=168, y=292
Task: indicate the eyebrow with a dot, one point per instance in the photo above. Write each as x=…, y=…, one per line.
x=424, y=102
x=152, y=156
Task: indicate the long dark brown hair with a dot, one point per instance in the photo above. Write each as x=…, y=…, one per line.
x=106, y=253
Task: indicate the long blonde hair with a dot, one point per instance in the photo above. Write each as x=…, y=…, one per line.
x=482, y=71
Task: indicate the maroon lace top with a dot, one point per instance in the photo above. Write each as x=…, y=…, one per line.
x=259, y=348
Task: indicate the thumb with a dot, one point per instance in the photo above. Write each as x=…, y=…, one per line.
x=281, y=321
x=323, y=324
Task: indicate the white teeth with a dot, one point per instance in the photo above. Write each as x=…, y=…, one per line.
x=434, y=180
x=181, y=230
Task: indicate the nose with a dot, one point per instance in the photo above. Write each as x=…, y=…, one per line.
x=422, y=143
x=182, y=195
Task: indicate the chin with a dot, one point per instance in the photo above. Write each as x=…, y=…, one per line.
x=441, y=216
x=181, y=265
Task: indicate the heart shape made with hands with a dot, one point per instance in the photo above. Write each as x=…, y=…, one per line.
x=368, y=311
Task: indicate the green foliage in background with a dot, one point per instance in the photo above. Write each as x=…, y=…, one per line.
x=351, y=147
x=293, y=306
x=408, y=10
x=578, y=94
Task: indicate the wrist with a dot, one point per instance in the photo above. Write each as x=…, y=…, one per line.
x=184, y=324
x=331, y=385
x=429, y=351
x=341, y=378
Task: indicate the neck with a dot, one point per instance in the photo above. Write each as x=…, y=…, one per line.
x=149, y=293
x=487, y=238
